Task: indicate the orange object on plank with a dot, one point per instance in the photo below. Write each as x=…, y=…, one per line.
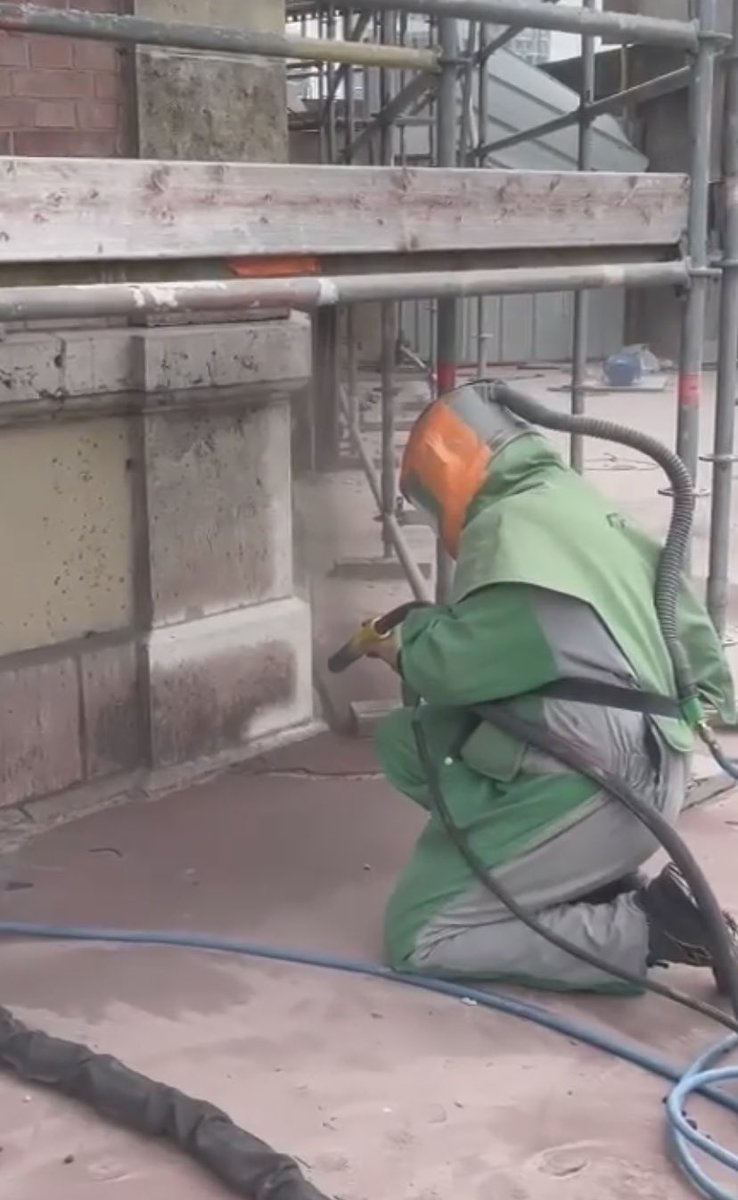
x=273, y=268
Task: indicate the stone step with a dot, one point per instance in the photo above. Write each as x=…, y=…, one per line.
x=366, y=715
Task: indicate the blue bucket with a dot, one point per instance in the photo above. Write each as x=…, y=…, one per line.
x=622, y=370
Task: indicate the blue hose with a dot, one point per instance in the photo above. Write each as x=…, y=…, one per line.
x=702, y=1076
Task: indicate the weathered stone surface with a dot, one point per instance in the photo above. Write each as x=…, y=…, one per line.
x=54, y=366
x=48, y=366
x=96, y=362
x=210, y=108
x=68, y=547
x=208, y=356
x=219, y=511
x=266, y=15
x=220, y=683
x=39, y=730
x=112, y=712
x=30, y=367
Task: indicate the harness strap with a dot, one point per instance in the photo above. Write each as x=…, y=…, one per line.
x=609, y=695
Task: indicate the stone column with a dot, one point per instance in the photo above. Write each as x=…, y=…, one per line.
x=151, y=617
x=205, y=106
x=229, y=650
x=229, y=654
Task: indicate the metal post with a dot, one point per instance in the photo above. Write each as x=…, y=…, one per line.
x=401, y=158
x=330, y=99
x=693, y=325
x=446, y=329
x=580, y=324
x=417, y=583
x=320, y=86
x=727, y=375
x=388, y=322
x=403, y=85
x=353, y=33
x=389, y=333
x=467, y=103
x=327, y=389
x=349, y=123
x=446, y=157
x=483, y=125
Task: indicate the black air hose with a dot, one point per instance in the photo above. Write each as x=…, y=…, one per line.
x=671, y=562
x=726, y=968
x=241, y=1161
x=499, y=715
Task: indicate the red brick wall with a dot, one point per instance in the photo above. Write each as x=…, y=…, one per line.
x=62, y=96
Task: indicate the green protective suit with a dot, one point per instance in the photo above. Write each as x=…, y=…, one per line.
x=535, y=524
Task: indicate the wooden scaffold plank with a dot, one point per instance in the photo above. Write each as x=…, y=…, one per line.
x=65, y=210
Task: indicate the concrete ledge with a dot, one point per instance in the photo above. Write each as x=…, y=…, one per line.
x=222, y=682
x=51, y=365
x=222, y=355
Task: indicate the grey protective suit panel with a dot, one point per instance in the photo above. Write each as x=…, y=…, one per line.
x=595, y=845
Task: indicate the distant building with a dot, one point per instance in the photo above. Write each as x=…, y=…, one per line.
x=532, y=45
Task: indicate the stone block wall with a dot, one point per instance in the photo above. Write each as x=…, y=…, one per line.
x=180, y=94
x=149, y=615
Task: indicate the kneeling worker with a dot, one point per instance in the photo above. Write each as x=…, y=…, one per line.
x=551, y=584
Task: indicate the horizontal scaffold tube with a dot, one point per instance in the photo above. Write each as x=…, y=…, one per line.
x=87, y=301
x=141, y=31
x=536, y=14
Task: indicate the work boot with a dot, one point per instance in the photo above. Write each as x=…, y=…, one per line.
x=635, y=882
x=677, y=932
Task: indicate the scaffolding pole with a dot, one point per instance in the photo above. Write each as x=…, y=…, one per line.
x=349, y=124
x=388, y=318
x=465, y=155
x=329, y=109
x=580, y=322
x=483, y=124
x=326, y=390
x=537, y=14
x=689, y=397
x=446, y=328
x=650, y=90
x=357, y=31
x=489, y=47
x=110, y=27
x=307, y=292
x=399, y=542
x=723, y=456
x=410, y=95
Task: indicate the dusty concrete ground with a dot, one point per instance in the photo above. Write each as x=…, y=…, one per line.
x=381, y=1091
